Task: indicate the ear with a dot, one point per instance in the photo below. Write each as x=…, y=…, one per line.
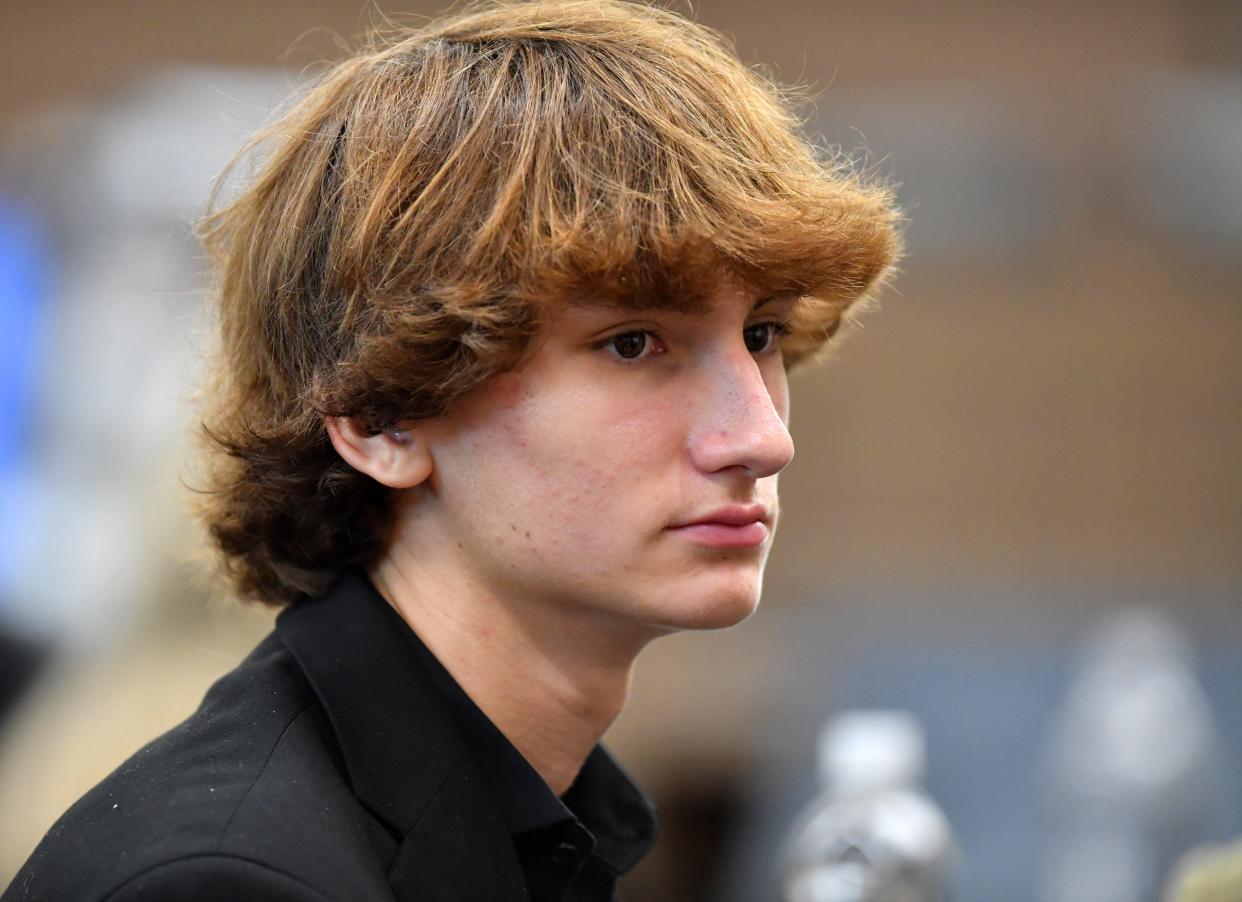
x=399, y=459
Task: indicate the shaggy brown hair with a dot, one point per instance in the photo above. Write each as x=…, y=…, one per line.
x=422, y=203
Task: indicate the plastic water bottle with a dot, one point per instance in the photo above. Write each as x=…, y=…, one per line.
x=1134, y=769
x=871, y=835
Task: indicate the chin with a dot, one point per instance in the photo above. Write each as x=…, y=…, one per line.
x=713, y=608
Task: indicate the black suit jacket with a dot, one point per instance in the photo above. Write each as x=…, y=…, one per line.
x=325, y=766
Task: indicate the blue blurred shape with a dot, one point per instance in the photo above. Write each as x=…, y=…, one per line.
x=24, y=276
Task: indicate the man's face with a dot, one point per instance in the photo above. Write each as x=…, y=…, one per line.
x=628, y=469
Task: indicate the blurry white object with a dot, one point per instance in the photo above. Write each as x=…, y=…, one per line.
x=871, y=835
x=1134, y=766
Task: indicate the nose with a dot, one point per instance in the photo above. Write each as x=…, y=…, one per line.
x=741, y=424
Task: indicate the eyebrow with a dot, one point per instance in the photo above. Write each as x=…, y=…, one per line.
x=786, y=295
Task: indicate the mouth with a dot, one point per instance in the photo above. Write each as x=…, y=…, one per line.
x=734, y=526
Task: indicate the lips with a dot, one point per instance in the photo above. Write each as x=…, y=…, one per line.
x=734, y=526
x=732, y=515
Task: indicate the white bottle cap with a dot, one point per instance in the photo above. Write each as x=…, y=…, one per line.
x=870, y=751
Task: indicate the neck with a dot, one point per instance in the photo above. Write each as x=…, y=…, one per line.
x=551, y=678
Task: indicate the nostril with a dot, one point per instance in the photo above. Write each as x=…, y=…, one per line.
x=758, y=452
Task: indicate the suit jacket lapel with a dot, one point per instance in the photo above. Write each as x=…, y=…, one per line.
x=405, y=758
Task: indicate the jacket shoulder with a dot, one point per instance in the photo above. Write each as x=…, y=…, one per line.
x=209, y=878
x=249, y=787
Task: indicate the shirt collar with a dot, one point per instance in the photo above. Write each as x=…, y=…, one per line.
x=609, y=804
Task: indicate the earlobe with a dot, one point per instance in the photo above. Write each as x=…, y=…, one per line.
x=397, y=458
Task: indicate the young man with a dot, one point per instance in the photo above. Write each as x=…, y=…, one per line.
x=505, y=319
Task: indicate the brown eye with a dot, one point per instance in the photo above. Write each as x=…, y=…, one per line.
x=630, y=345
x=760, y=336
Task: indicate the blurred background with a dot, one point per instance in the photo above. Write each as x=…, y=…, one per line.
x=1032, y=446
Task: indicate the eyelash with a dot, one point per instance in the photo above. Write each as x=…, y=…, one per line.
x=779, y=328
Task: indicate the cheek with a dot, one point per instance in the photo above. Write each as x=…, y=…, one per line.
x=586, y=456
x=552, y=470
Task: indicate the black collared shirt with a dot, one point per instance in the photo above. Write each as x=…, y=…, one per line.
x=572, y=848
